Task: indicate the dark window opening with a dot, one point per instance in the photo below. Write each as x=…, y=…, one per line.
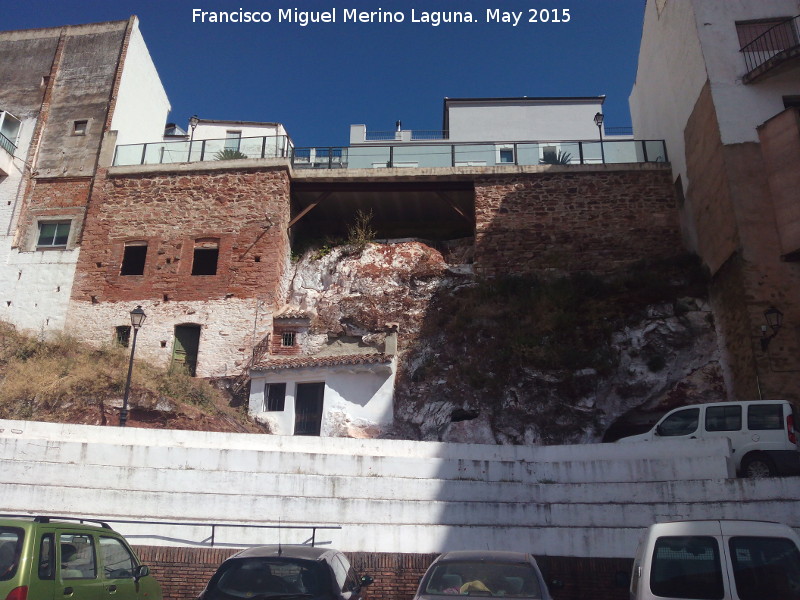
x=79, y=127
x=288, y=338
x=123, y=335
x=275, y=394
x=768, y=34
x=507, y=155
x=205, y=261
x=791, y=101
x=53, y=235
x=133, y=260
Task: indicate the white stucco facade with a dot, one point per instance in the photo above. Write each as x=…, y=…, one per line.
x=142, y=105
x=686, y=43
x=385, y=495
x=356, y=397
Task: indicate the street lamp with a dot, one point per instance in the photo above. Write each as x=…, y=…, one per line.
x=774, y=319
x=137, y=318
x=193, y=121
x=598, y=120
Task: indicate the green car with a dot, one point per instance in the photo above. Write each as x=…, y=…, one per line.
x=48, y=558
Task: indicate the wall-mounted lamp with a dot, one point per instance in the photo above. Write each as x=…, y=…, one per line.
x=774, y=319
x=598, y=120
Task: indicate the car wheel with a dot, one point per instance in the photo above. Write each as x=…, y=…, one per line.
x=756, y=467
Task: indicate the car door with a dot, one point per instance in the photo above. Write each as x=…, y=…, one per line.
x=76, y=567
x=726, y=421
x=118, y=569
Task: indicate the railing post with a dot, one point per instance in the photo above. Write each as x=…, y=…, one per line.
x=580, y=151
x=330, y=157
x=644, y=150
x=390, y=164
x=516, y=160
x=144, y=151
x=213, y=530
x=202, y=151
x=263, y=146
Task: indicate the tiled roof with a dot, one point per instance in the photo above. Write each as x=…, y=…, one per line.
x=292, y=313
x=273, y=363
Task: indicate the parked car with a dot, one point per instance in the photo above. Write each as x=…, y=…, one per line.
x=764, y=441
x=51, y=557
x=483, y=573
x=720, y=560
x=286, y=573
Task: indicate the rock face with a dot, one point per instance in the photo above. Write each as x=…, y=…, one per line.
x=559, y=359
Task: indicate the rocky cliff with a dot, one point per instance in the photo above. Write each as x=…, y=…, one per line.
x=545, y=359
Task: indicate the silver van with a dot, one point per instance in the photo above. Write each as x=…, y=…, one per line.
x=719, y=560
x=764, y=441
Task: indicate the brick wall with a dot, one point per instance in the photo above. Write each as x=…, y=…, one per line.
x=61, y=198
x=247, y=211
x=574, y=220
x=183, y=572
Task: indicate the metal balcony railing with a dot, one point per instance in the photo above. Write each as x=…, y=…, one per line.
x=182, y=151
x=776, y=45
x=479, y=154
x=7, y=145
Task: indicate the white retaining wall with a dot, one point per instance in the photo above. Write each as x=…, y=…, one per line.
x=387, y=495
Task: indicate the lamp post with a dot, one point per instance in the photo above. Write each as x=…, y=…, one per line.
x=137, y=318
x=598, y=120
x=193, y=121
x=774, y=319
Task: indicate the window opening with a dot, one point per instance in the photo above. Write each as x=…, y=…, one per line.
x=275, y=394
x=206, y=256
x=233, y=140
x=123, y=335
x=53, y=234
x=80, y=127
x=133, y=258
x=506, y=156
x=288, y=338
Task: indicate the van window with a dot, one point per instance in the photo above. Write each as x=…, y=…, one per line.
x=10, y=548
x=765, y=416
x=77, y=556
x=118, y=562
x=724, y=418
x=687, y=567
x=765, y=567
x=682, y=422
x=47, y=562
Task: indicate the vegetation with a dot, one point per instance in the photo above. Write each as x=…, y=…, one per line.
x=63, y=380
x=551, y=158
x=361, y=232
x=229, y=154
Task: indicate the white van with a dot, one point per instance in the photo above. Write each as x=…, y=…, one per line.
x=719, y=560
x=763, y=438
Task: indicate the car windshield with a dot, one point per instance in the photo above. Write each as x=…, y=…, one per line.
x=481, y=578
x=272, y=577
x=10, y=547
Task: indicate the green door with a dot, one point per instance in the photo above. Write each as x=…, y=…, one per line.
x=184, y=351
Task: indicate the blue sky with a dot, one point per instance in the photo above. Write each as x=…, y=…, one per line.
x=320, y=78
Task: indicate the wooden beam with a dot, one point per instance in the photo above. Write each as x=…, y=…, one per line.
x=308, y=209
x=447, y=199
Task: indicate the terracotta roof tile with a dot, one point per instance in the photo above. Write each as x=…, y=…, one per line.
x=273, y=363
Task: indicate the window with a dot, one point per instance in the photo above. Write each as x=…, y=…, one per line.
x=123, y=335
x=275, y=397
x=549, y=154
x=505, y=155
x=133, y=258
x=791, y=101
x=47, y=568
x=766, y=35
x=687, y=567
x=206, y=255
x=764, y=416
x=233, y=140
x=288, y=338
x=80, y=127
x=11, y=539
x=723, y=418
x=682, y=422
x=764, y=567
x=77, y=556
x=118, y=562
x=53, y=234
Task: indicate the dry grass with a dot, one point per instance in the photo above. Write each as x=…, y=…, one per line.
x=60, y=379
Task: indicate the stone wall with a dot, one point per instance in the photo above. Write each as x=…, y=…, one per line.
x=242, y=212
x=573, y=219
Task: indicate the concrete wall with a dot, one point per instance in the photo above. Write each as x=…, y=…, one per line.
x=388, y=496
x=520, y=120
x=357, y=401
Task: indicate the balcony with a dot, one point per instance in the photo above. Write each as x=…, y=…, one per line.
x=424, y=156
x=187, y=151
x=773, y=50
